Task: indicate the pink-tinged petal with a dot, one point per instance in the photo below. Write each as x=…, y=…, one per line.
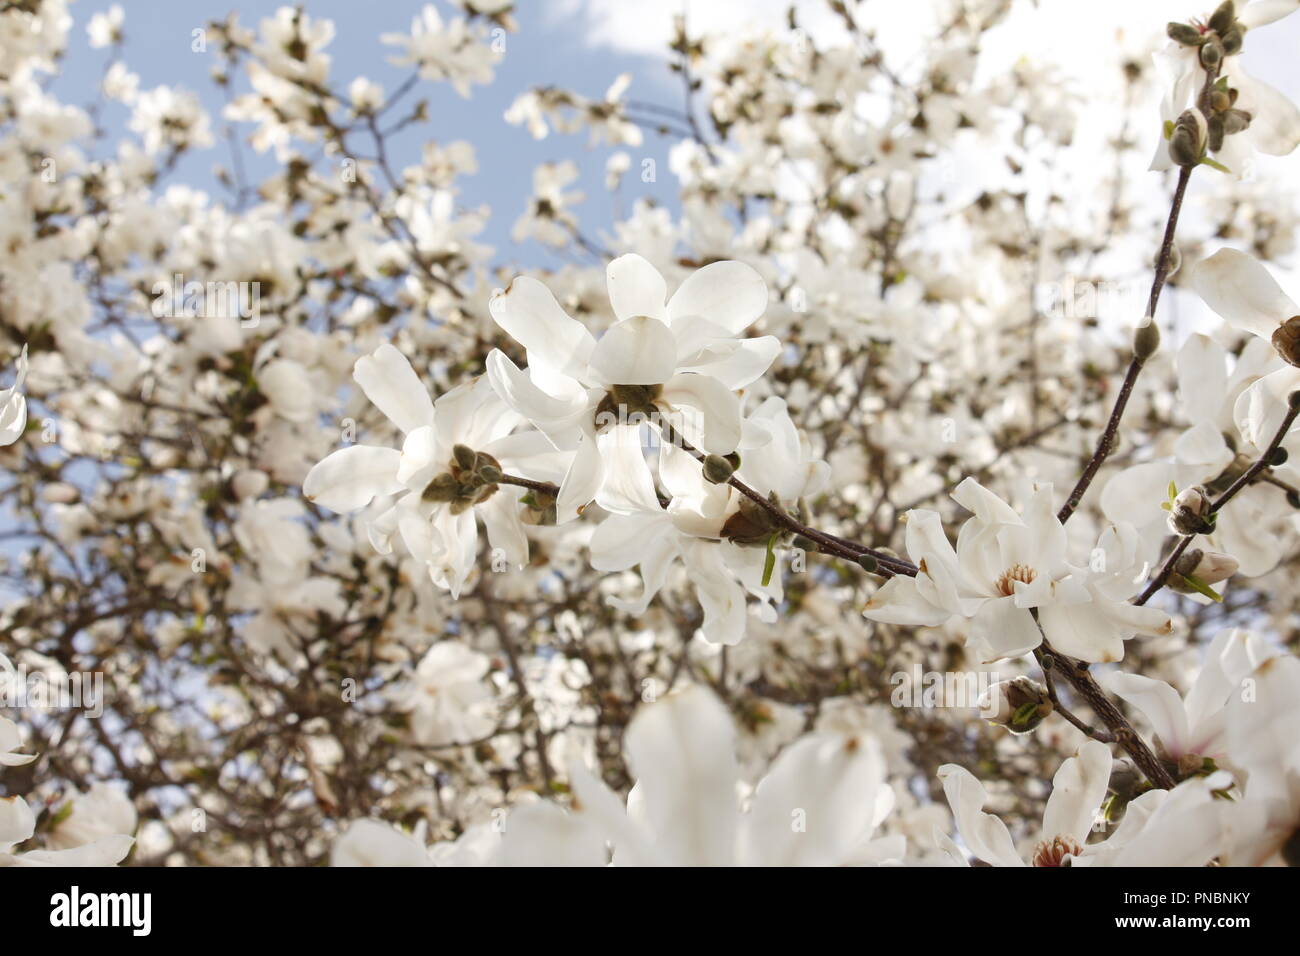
x=681, y=750
x=1241, y=290
x=636, y=351
x=635, y=288
x=528, y=313
x=1077, y=791
x=985, y=835
x=829, y=782
x=393, y=387
x=1158, y=702
x=728, y=294
x=348, y=479
x=710, y=412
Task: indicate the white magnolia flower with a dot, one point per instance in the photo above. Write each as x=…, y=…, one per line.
x=1274, y=121
x=454, y=452
x=1005, y=567
x=372, y=843
x=818, y=805
x=11, y=740
x=1241, y=290
x=1188, y=730
x=677, y=359
x=101, y=812
x=701, y=517
x=447, y=699
x=449, y=50
x=1077, y=792
x=13, y=405
x=1207, y=396
x=18, y=823
x=1263, y=827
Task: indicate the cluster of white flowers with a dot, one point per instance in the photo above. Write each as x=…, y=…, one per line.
x=388, y=553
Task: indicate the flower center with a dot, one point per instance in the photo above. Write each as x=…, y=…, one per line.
x=1055, y=852
x=627, y=405
x=1006, y=585
x=470, y=479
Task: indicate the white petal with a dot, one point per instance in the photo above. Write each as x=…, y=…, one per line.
x=636, y=351
x=681, y=750
x=393, y=387
x=1261, y=409
x=1241, y=290
x=986, y=835
x=635, y=288
x=529, y=314
x=729, y=294
x=1077, y=791
x=582, y=482
x=349, y=478
x=827, y=782
x=716, y=427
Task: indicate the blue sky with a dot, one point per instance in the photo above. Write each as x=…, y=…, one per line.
x=551, y=47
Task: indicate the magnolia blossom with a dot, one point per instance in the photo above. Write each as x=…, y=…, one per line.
x=18, y=823
x=1007, y=567
x=449, y=467
x=447, y=699
x=1201, y=455
x=11, y=740
x=1274, y=121
x=1241, y=290
x=818, y=805
x=717, y=532
x=1263, y=826
x=678, y=359
x=1077, y=791
x=13, y=405
x=1189, y=730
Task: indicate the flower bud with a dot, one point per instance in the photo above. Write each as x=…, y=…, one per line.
x=1185, y=33
x=1287, y=340
x=1212, y=53
x=464, y=456
x=1206, y=567
x=1187, y=142
x=1233, y=40
x=1146, y=339
x=1189, y=512
x=868, y=563
x=1223, y=18
x=1234, y=121
x=717, y=469
x=1019, y=704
